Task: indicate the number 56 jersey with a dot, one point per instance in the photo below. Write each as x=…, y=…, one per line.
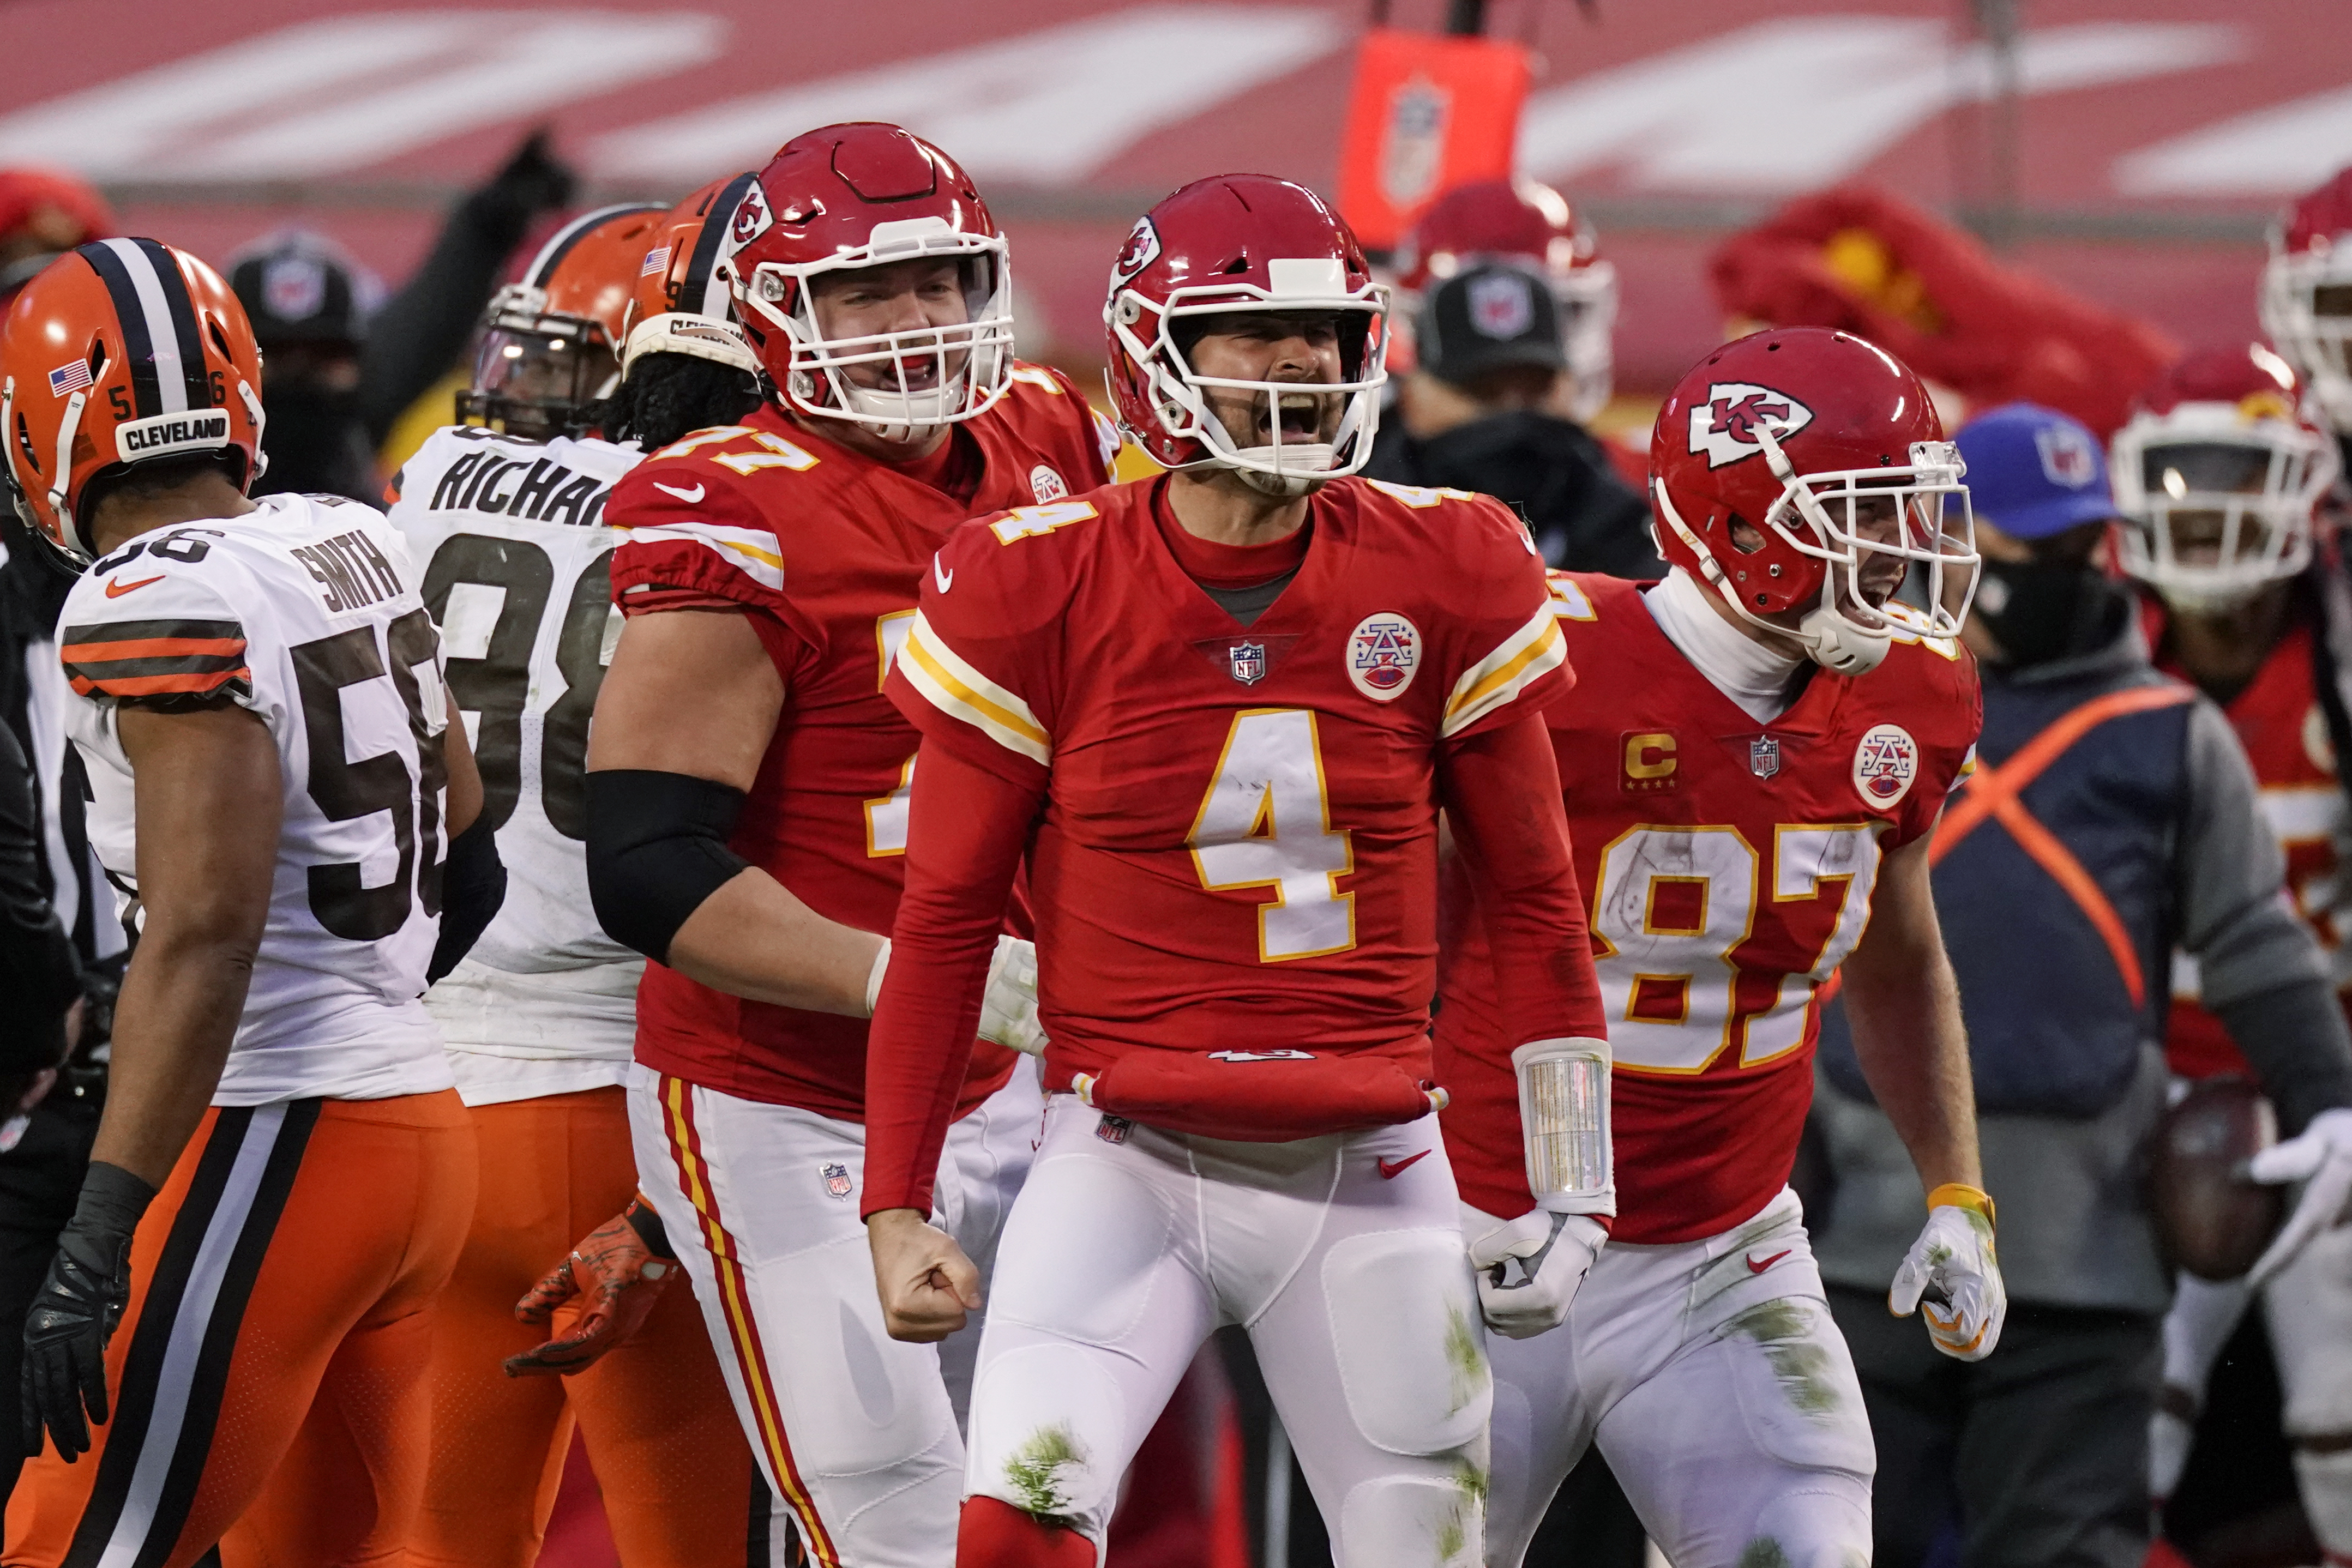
x=301, y=612
x=1728, y=868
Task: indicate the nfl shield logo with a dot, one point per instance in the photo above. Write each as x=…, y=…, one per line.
x=836, y=1180
x=1248, y=660
x=1502, y=304
x=1764, y=756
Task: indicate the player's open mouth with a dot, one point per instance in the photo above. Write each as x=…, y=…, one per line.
x=1302, y=417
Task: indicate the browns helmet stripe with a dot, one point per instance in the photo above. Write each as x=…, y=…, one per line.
x=558, y=245
x=159, y=324
x=698, y=290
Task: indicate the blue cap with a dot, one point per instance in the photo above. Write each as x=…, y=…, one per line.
x=2035, y=472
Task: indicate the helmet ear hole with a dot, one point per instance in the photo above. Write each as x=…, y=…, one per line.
x=97, y=358
x=219, y=336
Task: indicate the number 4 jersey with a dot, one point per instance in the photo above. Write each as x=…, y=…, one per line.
x=1236, y=861
x=1728, y=869
x=301, y=612
x=513, y=558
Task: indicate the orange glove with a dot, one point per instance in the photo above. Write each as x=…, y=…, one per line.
x=621, y=1268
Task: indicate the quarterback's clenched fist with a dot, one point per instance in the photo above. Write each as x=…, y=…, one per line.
x=926, y=1283
x=1530, y=1268
x=1952, y=1277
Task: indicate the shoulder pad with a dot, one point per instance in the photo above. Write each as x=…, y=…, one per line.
x=738, y=449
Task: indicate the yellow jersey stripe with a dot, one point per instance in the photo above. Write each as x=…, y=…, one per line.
x=753, y=550
x=955, y=688
x=1533, y=651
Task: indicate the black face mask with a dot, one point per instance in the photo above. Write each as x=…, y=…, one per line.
x=2041, y=611
x=316, y=443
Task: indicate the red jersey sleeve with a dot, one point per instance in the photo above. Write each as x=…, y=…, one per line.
x=981, y=667
x=1504, y=653
x=1502, y=796
x=968, y=826
x=692, y=532
x=1945, y=689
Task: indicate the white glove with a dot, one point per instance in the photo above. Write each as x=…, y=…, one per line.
x=1554, y=1252
x=1952, y=1267
x=1008, y=1008
x=2320, y=1156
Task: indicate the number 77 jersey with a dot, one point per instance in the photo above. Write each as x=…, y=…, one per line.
x=1728, y=869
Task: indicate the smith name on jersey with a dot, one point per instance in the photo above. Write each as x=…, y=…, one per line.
x=301, y=612
x=515, y=568
x=1728, y=868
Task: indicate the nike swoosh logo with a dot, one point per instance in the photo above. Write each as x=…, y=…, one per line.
x=941, y=575
x=1392, y=1169
x=117, y=590
x=688, y=497
x=1756, y=1268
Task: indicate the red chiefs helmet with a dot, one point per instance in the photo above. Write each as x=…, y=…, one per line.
x=1804, y=472
x=1242, y=243
x=2306, y=295
x=681, y=304
x=119, y=353
x=2220, y=476
x=858, y=195
x=550, y=349
x=1524, y=220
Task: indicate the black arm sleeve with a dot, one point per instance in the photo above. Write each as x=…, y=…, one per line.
x=39, y=976
x=657, y=849
x=473, y=886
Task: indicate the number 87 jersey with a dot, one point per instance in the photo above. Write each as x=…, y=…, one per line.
x=1728, y=869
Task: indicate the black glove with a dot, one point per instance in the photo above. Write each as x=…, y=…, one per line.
x=534, y=179
x=80, y=1304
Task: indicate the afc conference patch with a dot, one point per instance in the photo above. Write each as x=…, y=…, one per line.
x=1886, y=761
x=836, y=1180
x=1383, y=652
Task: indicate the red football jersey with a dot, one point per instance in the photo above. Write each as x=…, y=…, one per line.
x=1727, y=869
x=1237, y=848
x=826, y=547
x=2285, y=731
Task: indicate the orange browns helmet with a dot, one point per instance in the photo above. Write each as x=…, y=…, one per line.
x=682, y=304
x=120, y=353
x=551, y=346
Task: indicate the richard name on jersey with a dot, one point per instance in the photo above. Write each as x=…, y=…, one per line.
x=515, y=566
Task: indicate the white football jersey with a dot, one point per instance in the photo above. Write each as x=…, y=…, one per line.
x=303, y=612
x=513, y=560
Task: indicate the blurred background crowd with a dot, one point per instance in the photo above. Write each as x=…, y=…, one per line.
x=2113, y=239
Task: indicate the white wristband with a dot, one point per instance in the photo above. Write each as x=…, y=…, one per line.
x=1564, y=1124
x=874, y=977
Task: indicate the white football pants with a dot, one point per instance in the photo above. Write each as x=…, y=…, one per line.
x=2308, y=1305
x=856, y=1431
x=1342, y=1256
x=1720, y=1390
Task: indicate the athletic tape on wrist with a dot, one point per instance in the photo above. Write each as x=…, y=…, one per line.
x=1960, y=1194
x=1564, y=1124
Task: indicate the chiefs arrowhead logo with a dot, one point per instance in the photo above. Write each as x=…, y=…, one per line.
x=1142, y=248
x=753, y=217
x=1724, y=427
